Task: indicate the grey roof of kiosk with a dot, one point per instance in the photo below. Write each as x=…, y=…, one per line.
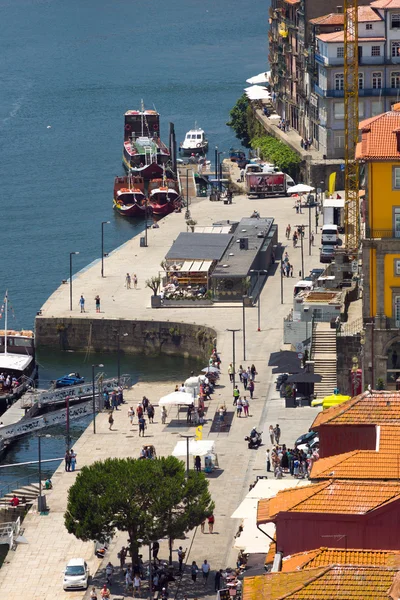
x=259, y=232
x=203, y=246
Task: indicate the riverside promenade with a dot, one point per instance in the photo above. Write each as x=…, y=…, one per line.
x=36, y=568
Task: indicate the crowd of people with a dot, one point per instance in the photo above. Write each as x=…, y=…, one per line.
x=7, y=382
x=288, y=461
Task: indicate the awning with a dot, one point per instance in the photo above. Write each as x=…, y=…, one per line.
x=196, y=448
x=15, y=362
x=260, y=78
x=252, y=540
x=257, y=92
x=300, y=188
x=175, y=399
x=264, y=488
x=333, y=203
x=196, y=266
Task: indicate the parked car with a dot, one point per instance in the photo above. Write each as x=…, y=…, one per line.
x=315, y=273
x=327, y=253
x=313, y=445
x=306, y=438
x=76, y=574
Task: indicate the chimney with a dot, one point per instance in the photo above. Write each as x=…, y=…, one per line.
x=339, y=9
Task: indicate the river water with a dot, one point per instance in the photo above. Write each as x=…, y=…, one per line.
x=69, y=71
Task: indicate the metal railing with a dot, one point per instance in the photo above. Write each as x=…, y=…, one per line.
x=352, y=328
x=381, y=233
x=16, y=484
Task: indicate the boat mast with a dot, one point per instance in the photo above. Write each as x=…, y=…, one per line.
x=142, y=104
x=5, y=321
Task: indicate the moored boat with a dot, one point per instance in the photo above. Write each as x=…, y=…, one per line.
x=164, y=196
x=195, y=142
x=129, y=197
x=144, y=153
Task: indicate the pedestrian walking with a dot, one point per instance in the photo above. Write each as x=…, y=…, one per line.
x=295, y=239
x=142, y=425
x=277, y=432
x=97, y=303
x=128, y=281
x=288, y=230
x=67, y=461
x=217, y=580
x=240, y=373
x=245, y=379
x=197, y=464
x=239, y=407
x=211, y=521
x=251, y=389
x=82, y=303
x=135, y=280
x=291, y=270
x=241, y=175
x=245, y=404
x=150, y=412
x=268, y=459
x=231, y=372
x=205, y=569
x=156, y=549
x=73, y=460
x=272, y=434
x=163, y=415
x=136, y=585
x=236, y=395
x=194, y=569
x=181, y=556
x=253, y=372
x=312, y=239
x=202, y=526
x=110, y=421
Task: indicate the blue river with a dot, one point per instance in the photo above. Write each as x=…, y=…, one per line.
x=69, y=71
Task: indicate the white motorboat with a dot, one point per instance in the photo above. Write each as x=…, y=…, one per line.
x=195, y=142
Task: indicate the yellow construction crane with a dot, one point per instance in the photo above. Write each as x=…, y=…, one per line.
x=351, y=179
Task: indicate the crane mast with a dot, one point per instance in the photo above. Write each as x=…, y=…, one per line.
x=351, y=83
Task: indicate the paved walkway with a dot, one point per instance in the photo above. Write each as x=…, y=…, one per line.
x=36, y=568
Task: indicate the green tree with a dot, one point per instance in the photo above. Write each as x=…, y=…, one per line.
x=278, y=153
x=148, y=499
x=239, y=120
x=154, y=284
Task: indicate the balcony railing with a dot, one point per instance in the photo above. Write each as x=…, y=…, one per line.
x=382, y=234
x=362, y=93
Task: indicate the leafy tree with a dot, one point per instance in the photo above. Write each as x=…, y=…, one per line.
x=154, y=284
x=148, y=499
x=239, y=120
x=277, y=152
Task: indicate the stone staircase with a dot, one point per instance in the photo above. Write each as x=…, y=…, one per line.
x=324, y=355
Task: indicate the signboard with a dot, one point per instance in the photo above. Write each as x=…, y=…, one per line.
x=314, y=100
x=265, y=183
x=354, y=266
x=299, y=347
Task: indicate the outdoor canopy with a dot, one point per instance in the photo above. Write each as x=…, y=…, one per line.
x=176, y=398
x=257, y=92
x=211, y=370
x=196, y=448
x=260, y=78
x=300, y=188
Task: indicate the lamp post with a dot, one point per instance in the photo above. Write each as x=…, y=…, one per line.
x=244, y=329
x=102, y=245
x=187, y=437
x=301, y=228
x=119, y=354
x=258, y=271
x=41, y=503
x=145, y=222
x=150, y=566
x=94, y=396
x=233, y=353
x=309, y=230
x=68, y=438
x=216, y=163
x=219, y=169
x=70, y=278
x=187, y=212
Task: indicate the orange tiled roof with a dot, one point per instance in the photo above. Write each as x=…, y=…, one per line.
x=369, y=408
x=385, y=4
x=379, y=137
x=359, y=464
x=367, y=14
x=338, y=36
x=324, y=557
x=330, y=497
x=389, y=439
x=331, y=19
x=329, y=583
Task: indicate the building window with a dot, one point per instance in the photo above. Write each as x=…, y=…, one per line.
x=361, y=81
x=376, y=51
x=395, y=48
x=361, y=109
x=368, y=26
x=339, y=141
x=396, y=223
x=396, y=183
x=397, y=267
x=338, y=109
x=340, y=52
x=339, y=81
x=395, y=79
x=376, y=81
x=396, y=21
x=376, y=108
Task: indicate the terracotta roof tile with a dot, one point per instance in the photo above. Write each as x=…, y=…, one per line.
x=329, y=583
x=359, y=464
x=369, y=408
x=331, y=19
x=323, y=557
x=338, y=36
x=379, y=137
x=385, y=4
x=330, y=497
x=389, y=439
x=367, y=13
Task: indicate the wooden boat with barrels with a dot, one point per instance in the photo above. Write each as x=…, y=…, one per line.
x=129, y=196
x=164, y=196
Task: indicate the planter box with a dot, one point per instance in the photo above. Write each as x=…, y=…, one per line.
x=156, y=302
x=186, y=303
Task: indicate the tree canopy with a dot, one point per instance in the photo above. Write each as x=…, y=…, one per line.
x=148, y=499
x=239, y=118
x=277, y=152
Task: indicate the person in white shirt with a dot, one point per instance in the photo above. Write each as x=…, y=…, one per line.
x=205, y=568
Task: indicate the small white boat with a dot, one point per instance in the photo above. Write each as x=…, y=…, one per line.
x=195, y=142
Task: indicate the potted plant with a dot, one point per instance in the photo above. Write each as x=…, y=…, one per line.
x=154, y=284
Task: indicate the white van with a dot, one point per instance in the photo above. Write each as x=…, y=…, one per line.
x=302, y=285
x=330, y=234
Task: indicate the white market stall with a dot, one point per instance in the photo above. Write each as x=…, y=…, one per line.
x=203, y=448
x=176, y=399
x=260, y=78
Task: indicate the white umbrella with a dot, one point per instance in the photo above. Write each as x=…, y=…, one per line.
x=196, y=448
x=176, y=398
x=192, y=382
x=300, y=188
x=257, y=92
x=211, y=370
x=260, y=78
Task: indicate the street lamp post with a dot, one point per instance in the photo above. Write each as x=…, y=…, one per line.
x=70, y=278
x=233, y=354
x=216, y=163
x=187, y=212
x=145, y=221
x=102, y=245
x=187, y=437
x=244, y=328
x=300, y=229
x=119, y=354
x=94, y=396
x=258, y=271
x=68, y=440
x=309, y=230
x=41, y=501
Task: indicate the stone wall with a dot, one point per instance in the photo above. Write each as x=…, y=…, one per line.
x=150, y=338
x=347, y=347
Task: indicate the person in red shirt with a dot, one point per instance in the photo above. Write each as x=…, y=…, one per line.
x=14, y=501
